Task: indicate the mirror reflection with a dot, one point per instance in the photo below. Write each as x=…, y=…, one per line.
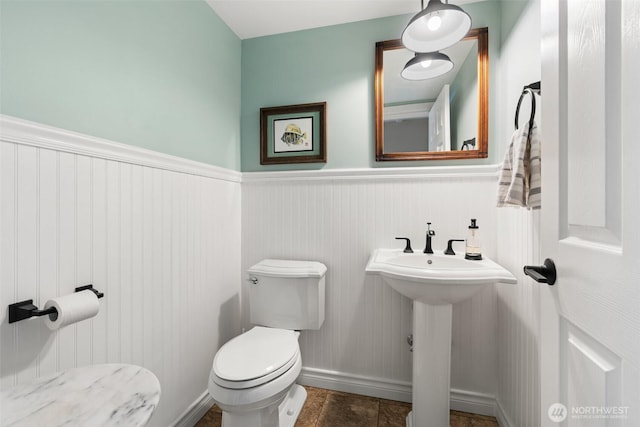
x=441, y=118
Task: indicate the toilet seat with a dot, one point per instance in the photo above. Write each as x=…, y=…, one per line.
x=256, y=381
x=254, y=398
x=255, y=357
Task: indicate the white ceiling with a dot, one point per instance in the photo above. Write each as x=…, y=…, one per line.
x=256, y=18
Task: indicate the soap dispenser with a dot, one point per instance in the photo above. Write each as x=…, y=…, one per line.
x=472, y=249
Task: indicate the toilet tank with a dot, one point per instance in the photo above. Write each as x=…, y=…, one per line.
x=287, y=294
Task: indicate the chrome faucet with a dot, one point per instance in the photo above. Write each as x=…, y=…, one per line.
x=430, y=233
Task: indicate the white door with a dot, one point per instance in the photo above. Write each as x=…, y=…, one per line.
x=439, y=122
x=590, y=319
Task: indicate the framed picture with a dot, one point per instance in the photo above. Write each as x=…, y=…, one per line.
x=293, y=134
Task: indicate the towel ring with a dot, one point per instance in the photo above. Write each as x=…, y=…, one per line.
x=525, y=91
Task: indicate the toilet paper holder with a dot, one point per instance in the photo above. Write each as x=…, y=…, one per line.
x=25, y=309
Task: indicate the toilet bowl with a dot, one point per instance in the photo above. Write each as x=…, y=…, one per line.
x=253, y=378
x=253, y=375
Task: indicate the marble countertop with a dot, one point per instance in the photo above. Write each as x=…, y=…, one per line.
x=97, y=395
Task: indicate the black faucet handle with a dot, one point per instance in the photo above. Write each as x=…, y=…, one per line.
x=430, y=232
x=407, y=248
x=449, y=250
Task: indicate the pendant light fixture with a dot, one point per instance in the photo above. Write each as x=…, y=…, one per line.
x=436, y=27
x=427, y=66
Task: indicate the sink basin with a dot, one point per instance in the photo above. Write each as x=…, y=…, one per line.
x=435, y=279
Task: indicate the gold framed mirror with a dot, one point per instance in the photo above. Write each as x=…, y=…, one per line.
x=437, y=119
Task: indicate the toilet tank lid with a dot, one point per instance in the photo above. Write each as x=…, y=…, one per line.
x=288, y=268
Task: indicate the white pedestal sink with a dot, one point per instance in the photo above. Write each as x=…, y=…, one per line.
x=434, y=282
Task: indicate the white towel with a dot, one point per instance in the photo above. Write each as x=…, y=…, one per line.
x=519, y=183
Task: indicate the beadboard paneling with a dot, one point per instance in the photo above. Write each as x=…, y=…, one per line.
x=147, y=228
x=518, y=392
x=339, y=219
x=518, y=64
x=160, y=243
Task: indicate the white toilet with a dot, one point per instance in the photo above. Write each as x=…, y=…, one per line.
x=253, y=375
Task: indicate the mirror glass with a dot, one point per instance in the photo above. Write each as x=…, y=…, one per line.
x=441, y=118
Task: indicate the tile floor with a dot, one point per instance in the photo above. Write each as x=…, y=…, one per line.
x=327, y=408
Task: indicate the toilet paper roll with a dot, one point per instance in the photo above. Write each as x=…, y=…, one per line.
x=71, y=309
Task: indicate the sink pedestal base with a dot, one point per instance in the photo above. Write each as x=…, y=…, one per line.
x=431, y=365
x=434, y=283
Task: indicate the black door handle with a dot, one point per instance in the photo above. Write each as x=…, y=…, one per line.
x=543, y=273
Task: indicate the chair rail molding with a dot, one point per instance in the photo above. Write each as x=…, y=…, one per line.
x=25, y=132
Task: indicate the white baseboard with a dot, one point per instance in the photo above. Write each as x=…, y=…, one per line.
x=348, y=383
x=461, y=400
x=381, y=388
x=501, y=416
x=192, y=415
x=473, y=402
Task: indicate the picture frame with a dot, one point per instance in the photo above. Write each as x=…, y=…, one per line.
x=293, y=134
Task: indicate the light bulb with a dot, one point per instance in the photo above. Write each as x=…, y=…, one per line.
x=434, y=23
x=426, y=64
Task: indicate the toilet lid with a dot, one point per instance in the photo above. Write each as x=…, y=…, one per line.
x=288, y=268
x=255, y=353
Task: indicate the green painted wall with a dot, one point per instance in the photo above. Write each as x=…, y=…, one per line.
x=333, y=64
x=464, y=102
x=168, y=76
x=163, y=75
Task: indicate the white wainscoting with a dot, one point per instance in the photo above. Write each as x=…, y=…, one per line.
x=518, y=392
x=339, y=218
x=157, y=234
x=160, y=236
